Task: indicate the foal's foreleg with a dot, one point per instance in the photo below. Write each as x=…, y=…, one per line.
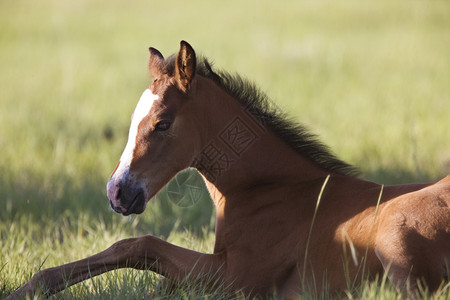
x=147, y=252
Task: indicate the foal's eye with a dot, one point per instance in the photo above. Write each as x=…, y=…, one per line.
x=162, y=125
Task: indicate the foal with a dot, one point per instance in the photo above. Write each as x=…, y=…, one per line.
x=290, y=215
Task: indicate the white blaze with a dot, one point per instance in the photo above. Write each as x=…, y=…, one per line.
x=142, y=109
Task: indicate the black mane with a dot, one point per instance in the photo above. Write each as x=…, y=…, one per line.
x=263, y=109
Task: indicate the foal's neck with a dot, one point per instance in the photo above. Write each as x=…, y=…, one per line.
x=241, y=153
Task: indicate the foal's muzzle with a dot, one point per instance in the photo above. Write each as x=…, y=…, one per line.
x=125, y=199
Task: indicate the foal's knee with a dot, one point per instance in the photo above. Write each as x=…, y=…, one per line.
x=393, y=251
x=409, y=259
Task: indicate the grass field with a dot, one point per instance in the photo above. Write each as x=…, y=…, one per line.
x=372, y=78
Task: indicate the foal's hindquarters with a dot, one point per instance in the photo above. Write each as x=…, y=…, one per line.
x=413, y=237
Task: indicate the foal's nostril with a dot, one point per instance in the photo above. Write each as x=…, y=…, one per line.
x=118, y=193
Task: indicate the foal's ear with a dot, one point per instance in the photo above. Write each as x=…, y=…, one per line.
x=185, y=66
x=155, y=62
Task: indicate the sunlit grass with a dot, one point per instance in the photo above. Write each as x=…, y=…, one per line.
x=370, y=77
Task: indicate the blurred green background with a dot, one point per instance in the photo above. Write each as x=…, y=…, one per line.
x=371, y=78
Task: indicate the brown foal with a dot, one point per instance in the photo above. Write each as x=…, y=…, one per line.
x=290, y=216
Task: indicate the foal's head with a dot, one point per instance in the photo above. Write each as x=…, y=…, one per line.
x=158, y=144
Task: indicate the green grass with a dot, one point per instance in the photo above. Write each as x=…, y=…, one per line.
x=370, y=77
